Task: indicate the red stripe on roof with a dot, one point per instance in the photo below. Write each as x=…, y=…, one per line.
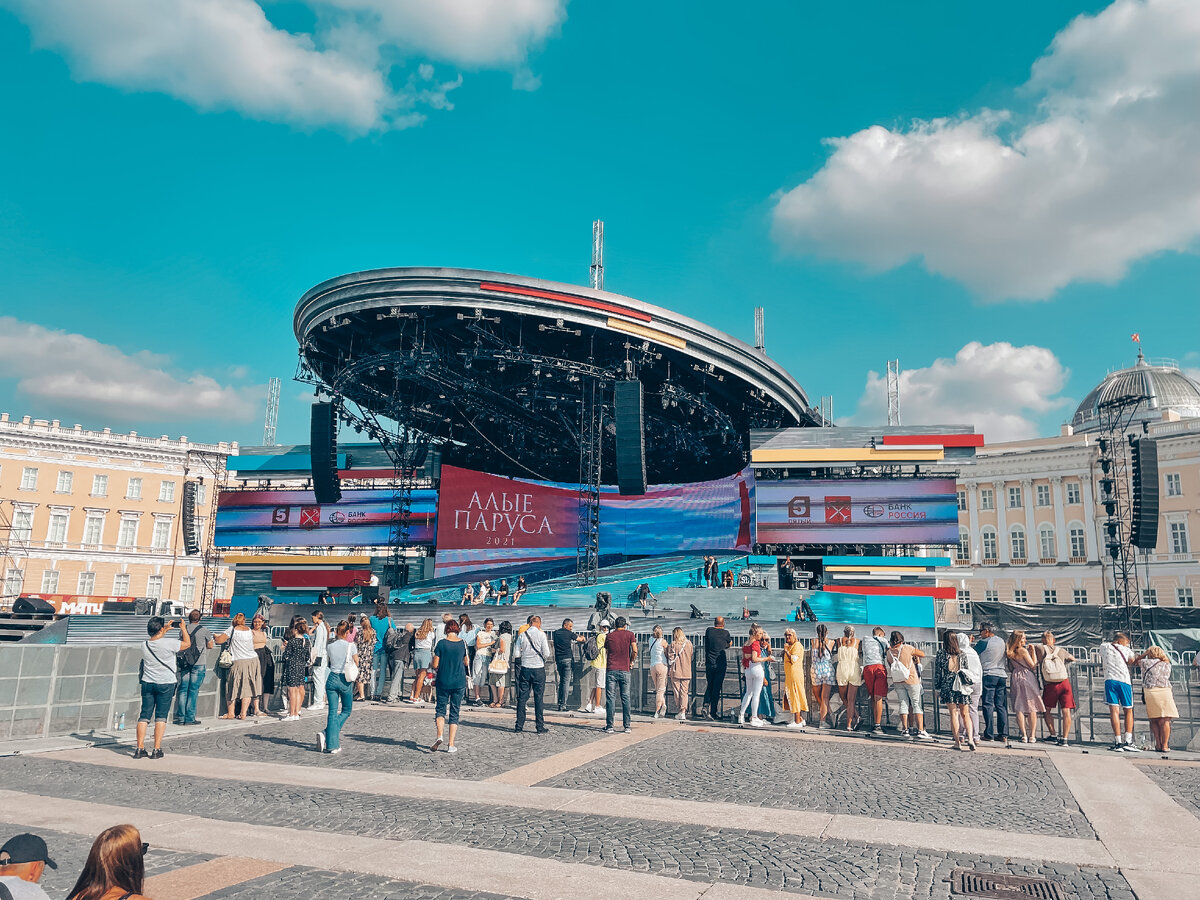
x=942, y=593
x=567, y=298
x=943, y=440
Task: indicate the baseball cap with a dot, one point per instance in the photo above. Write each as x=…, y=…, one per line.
x=25, y=848
x=606, y=624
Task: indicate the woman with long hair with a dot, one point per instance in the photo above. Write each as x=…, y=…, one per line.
x=422, y=658
x=295, y=666
x=339, y=689
x=498, y=667
x=754, y=654
x=484, y=638
x=824, y=677
x=1023, y=690
x=244, y=681
x=1156, y=690
x=679, y=670
x=849, y=675
x=115, y=868
x=381, y=624
x=365, y=642
x=954, y=690
x=266, y=664
x=658, y=671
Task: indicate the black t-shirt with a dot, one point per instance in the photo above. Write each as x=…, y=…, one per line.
x=563, y=639
x=451, y=670
x=716, y=642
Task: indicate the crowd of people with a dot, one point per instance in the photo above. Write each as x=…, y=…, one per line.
x=456, y=662
x=497, y=594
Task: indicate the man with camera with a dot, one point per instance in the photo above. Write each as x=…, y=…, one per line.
x=158, y=676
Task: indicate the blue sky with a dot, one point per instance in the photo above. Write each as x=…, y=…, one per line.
x=160, y=217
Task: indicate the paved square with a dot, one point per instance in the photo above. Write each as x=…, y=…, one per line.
x=1181, y=782
x=1014, y=791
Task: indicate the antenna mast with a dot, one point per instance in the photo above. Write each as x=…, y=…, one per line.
x=597, y=269
x=893, y=389
x=760, y=331
x=272, y=413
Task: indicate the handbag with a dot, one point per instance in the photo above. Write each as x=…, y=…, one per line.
x=350, y=669
x=225, y=660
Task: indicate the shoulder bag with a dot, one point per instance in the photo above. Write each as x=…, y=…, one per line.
x=225, y=660
x=350, y=669
x=142, y=664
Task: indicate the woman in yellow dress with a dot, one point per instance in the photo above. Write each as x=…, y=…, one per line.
x=793, y=678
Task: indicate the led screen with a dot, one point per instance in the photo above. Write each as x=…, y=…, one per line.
x=362, y=518
x=486, y=520
x=858, y=511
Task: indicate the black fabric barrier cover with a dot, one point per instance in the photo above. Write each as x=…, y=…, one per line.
x=1078, y=626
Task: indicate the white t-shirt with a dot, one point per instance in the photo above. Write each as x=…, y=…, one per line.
x=426, y=643
x=158, y=660
x=22, y=889
x=339, y=652
x=320, y=638
x=1115, y=658
x=241, y=643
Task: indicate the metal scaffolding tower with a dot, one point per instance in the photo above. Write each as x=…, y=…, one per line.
x=827, y=411
x=587, y=553
x=1116, y=488
x=893, y=389
x=212, y=556
x=760, y=330
x=272, y=413
x=13, y=548
x=597, y=268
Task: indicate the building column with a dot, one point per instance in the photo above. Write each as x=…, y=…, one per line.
x=1031, y=535
x=1061, y=553
x=1003, y=547
x=1090, y=518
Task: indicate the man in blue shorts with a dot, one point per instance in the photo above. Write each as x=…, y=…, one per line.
x=1115, y=656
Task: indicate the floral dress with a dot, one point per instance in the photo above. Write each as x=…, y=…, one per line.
x=943, y=678
x=366, y=657
x=823, y=666
x=295, y=662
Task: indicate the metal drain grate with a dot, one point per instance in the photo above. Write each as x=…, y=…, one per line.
x=1004, y=887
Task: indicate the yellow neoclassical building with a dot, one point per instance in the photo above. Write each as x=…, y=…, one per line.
x=90, y=515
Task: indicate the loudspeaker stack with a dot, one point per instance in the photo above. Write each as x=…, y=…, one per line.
x=322, y=448
x=1144, y=533
x=191, y=540
x=631, y=437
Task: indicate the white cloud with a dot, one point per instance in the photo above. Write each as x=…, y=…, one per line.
x=73, y=373
x=227, y=55
x=998, y=388
x=1104, y=173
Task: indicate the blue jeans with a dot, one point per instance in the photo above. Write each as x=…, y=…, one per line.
x=616, y=681
x=337, y=689
x=566, y=674
x=448, y=700
x=379, y=660
x=189, y=689
x=766, y=703
x=994, y=699
x=156, y=701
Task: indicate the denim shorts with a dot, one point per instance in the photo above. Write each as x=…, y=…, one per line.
x=422, y=659
x=1118, y=693
x=156, y=701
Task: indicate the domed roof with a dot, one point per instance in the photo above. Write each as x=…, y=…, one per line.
x=1158, y=381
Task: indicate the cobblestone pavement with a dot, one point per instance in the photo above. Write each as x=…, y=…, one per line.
x=386, y=741
x=1181, y=782
x=1017, y=792
x=300, y=883
x=70, y=852
x=853, y=870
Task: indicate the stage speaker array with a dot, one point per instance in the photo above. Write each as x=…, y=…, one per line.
x=191, y=540
x=631, y=437
x=32, y=606
x=1144, y=532
x=322, y=449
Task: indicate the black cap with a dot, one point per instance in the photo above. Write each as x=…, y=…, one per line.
x=25, y=848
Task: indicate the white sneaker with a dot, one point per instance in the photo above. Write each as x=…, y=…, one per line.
x=924, y=736
x=799, y=725
x=320, y=741
x=338, y=750
x=451, y=749
x=681, y=718
x=757, y=723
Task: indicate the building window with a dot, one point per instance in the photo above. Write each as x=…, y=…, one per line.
x=1043, y=495
x=1179, y=537
x=200, y=493
x=1150, y=597
x=134, y=491
x=50, y=581
x=63, y=485
x=962, y=499
x=187, y=590
x=988, y=538
x=87, y=583
x=1049, y=595
x=161, y=536
x=1079, y=596
x=1114, y=597
x=1014, y=498
x=14, y=580
x=991, y=596
x=127, y=533
x=1020, y=596
x=220, y=588
x=1073, y=493
x=987, y=498
x=1047, y=544
x=99, y=485
x=964, y=544
x=93, y=528
x=1183, y=596
x=1078, y=542
x=57, y=532
x=1174, y=485
x=29, y=478
x=22, y=524
x=154, y=587
x=1017, y=539
x=121, y=585
x=166, y=491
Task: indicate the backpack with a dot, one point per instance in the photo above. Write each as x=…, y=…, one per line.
x=897, y=671
x=1054, y=669
x=591, y=649
x=391, y=640
x=187, y=659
